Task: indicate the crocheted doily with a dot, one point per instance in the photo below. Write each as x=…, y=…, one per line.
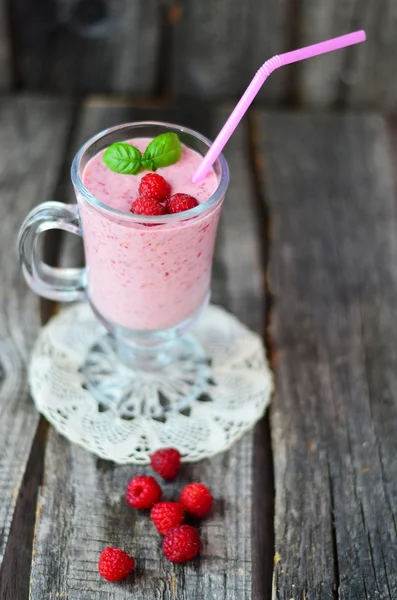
x=237, y=391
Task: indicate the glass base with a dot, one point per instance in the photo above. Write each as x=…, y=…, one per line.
x=151, y=381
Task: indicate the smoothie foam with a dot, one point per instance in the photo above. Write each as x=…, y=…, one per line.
x=147, y=277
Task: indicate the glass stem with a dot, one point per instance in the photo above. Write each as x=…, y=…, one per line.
x=145, y=357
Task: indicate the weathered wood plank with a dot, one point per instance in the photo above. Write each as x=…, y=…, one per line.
x=218, y=48
x=362, y=75
x=17, y=560
x=81, y=503
x=374, y=65
x=333, y=329
x=6, y=75
x=28, y=175
x=87, y=45
x=319, y=79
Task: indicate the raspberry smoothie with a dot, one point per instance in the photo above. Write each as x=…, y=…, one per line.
x=147, y=276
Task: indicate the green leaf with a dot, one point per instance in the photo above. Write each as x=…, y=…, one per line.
x=123, y=158
x=163, y=151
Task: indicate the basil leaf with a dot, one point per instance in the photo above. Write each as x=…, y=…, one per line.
x=123, y=158
x=163, y=151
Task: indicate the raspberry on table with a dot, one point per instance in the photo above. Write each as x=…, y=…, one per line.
x=143, y=492
x=148, y=207
x=181, y=202
x=114, y=564
x=181, y=544
x=166, y=462
x=196, y=499
x=167, y=515
x=154, y=186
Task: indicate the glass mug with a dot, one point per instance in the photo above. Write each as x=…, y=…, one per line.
x=146, y=278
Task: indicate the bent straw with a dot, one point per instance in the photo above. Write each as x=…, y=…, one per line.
x=260, y=77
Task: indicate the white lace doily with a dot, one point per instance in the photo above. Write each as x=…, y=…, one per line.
x=237, y=394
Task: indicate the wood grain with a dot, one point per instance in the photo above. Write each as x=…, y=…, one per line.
x=372, y=68
x=359, y=76
x=17, y=560
x=320, y=79
x=84, y=46
x=218, y=48
x=199, y=50
x=333, y=330
x=28, y=175
x=81, y=502
x=6, y=75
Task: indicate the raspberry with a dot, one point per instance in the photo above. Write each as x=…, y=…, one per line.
x=166, y=462
x=114, y=564
x=154, y=186
x=181, y=544
x=147, y=206
x=196, y=499
x=167, y=515
x=180, y=202
x=143, y=492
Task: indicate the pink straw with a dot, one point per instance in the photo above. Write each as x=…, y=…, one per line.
x=260, y=77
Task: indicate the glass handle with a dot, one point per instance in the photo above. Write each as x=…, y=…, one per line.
x=64, y=285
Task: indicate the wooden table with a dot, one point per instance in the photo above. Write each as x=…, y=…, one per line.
x=307, y=255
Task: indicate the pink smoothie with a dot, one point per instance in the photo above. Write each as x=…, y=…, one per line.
x=147, y=277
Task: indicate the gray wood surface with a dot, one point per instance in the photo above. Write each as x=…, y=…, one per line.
x=219, y=47
x=87, y=45
x=28, y=175
x=372, y=70
x=81, y=506
x=199, y=49
x=359, y=76
x=193, y=48
x=328, y=195
x=320, y=79
x=6, y=74
x=333, y=337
